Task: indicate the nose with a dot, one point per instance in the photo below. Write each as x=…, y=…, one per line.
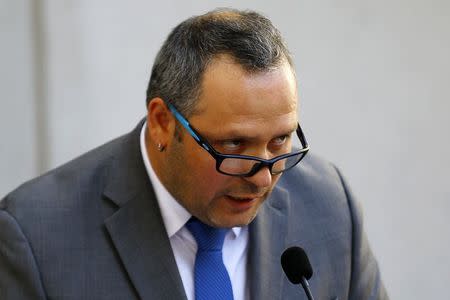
x=261, y=179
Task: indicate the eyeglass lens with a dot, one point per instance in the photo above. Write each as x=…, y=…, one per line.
x=240, y=166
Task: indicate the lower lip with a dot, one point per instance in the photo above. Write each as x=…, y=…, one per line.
x=241, y=204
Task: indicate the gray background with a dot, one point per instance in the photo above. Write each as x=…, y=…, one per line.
x=374, y=86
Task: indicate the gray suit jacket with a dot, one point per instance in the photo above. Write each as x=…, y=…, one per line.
x=92, y=229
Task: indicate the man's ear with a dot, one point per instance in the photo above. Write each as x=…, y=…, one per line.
x=160, y=122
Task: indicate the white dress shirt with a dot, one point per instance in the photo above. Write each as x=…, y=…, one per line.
x=183, y=244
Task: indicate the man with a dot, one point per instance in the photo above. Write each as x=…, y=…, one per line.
x=214, y=155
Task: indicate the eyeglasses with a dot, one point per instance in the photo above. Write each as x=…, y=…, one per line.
x=245, y=165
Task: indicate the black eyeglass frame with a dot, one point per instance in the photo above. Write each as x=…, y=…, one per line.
x=220, y=157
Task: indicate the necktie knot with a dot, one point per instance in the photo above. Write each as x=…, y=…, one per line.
x=208, y=238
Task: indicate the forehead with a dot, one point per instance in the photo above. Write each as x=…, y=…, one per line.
x=233, y=97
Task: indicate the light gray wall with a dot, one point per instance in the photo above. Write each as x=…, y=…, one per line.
x=374, y=83
x=17, y=105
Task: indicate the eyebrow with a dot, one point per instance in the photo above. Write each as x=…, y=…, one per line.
x=235, y=134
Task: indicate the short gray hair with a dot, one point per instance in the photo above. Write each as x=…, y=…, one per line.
x=249, y=38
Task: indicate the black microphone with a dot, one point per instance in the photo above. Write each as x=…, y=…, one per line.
x=296, y=265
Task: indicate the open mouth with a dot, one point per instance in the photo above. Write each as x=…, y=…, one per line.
x=242, y=203
x=242, y=199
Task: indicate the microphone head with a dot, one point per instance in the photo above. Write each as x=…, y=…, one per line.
x=296, y=264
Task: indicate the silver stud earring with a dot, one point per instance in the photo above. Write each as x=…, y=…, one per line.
x=160, y=147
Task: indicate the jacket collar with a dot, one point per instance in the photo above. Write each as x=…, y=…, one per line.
x=136, y=228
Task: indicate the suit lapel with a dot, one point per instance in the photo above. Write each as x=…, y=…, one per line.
x=267, y=241
x=136, y=228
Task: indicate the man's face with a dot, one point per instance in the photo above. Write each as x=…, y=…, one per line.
x=238, y=113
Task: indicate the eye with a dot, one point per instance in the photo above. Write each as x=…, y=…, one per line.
x=281, y=140
x=280, y=144
x=231, y=145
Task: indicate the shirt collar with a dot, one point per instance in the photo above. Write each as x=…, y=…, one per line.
x=174, y=215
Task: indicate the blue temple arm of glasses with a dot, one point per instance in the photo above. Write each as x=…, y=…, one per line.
x=183, y=121
x=186, y=125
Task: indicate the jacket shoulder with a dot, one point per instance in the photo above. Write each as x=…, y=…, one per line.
x=63, y=187
x=313, y=173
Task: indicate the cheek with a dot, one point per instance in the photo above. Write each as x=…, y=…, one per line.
x=202, y=166
x=209, y=182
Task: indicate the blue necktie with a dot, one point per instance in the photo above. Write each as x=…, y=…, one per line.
x=211, y=278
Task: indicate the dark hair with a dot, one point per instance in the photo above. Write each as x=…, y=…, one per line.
x=246, y=36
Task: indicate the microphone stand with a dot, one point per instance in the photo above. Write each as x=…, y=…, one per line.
x=305, y=286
